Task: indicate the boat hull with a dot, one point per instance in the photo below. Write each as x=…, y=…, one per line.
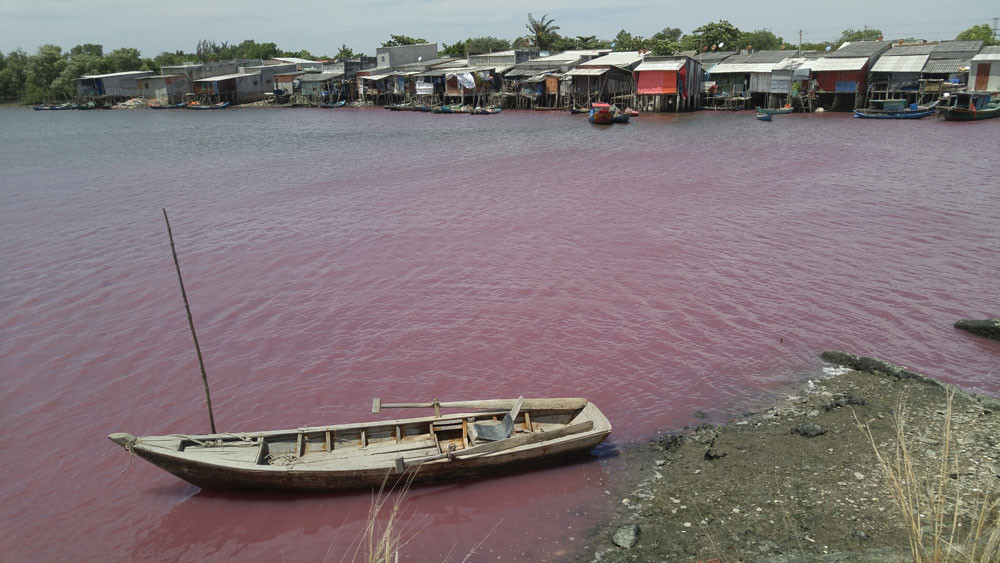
x=777, y=111
x=894, y=115
x=240, y=463
x=963, y=114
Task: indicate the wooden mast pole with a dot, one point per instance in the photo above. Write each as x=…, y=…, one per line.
x=187, y=306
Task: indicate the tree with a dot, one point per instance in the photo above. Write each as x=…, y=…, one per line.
x=625, y=41
x=345, y=52
x=981, y=32
x=760, y=40
x=542, y=32
x=850, y=35
x=42, y=70
x=488, y=44
x=87, y=49
x=123, y=60
x=399, y=40
x=668, y=34
x=12, y=74
x=720, y=35
x=580, y=42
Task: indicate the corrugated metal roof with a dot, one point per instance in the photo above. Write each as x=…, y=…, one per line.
x=374, y=77
x=113, y=74
x=586, y=72
x=905, y=63
x=904, y=50
x=835, y=64
x=945, y=66
x=621, y=58
x=774, y=57
x=955, y=45
x=320, y=77
x=744, y=67
x=988, y=54
x=528, y=71
x=859, y=49
x=228, y=76
x=660, y=65
x=792, y=63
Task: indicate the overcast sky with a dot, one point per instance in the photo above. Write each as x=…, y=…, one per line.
x=321, y=27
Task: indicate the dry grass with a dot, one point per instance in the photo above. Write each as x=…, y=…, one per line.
x=930, y=501
x=388, y=529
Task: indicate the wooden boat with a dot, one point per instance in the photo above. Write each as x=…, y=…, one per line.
x=85, y=106
x=456, y=108
x=970, y=106
x=506, y=435
x=894, y=109
x=776, y=111
x=333, y=105
x=158, y=105
x=198, y=105
x=620, y=118
x=600, y=113
x=576, y=110
x=631, y=112
x=486, y=111
x=764, y=116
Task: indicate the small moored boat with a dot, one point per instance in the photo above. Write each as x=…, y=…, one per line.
x=333, y=105
x=600, y=113
x=775, y=111
x=764, y=116
x=197, y=105
x=502, y=435
x=894, y=109
x=158, y=105
x=970, y=106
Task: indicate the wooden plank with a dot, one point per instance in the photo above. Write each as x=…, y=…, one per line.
x=512, y=442
x=527, y=422
x=298, y=445
x=329, y=442
x=500, y=404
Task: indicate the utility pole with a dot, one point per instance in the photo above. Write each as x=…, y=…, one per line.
x=799, y=54
x=995, y=36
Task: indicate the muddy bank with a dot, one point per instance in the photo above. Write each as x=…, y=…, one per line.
x=801, y=481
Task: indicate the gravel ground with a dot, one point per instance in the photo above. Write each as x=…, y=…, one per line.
x=801, y=480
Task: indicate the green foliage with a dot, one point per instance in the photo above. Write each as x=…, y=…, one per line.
x=42, y=70
x=860, y=35
x=399, y=40
x=123, y=60
x=542, y=32
x=760, y=40
x=12, y=71
x=488, y=44
x=625, y=41
x=668, y=34
x=720, y=35
x=345, y=52
x=982, y=32
x=580, y=42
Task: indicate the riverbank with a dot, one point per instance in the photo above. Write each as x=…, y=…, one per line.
x=801, y=480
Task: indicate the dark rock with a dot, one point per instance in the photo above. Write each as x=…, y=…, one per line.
x=699, y=414
x=809, y=429
x=844, y=400
x=671, y=442
x=988, y=328
x=865, y=363
x=626, y=536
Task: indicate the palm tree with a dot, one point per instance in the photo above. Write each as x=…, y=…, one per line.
x=543, y=31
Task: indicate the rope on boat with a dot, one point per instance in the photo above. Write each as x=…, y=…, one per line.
x=129, y=448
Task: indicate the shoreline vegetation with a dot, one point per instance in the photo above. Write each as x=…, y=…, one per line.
x=874, y=463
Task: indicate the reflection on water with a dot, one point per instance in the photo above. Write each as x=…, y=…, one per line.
x=679, y=263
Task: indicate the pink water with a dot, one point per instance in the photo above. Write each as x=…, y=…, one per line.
x=675, y=264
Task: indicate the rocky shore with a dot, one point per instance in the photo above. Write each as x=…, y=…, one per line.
x=801, y=481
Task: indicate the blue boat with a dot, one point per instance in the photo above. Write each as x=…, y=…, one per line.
x=333, y=104
x=764, y=116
